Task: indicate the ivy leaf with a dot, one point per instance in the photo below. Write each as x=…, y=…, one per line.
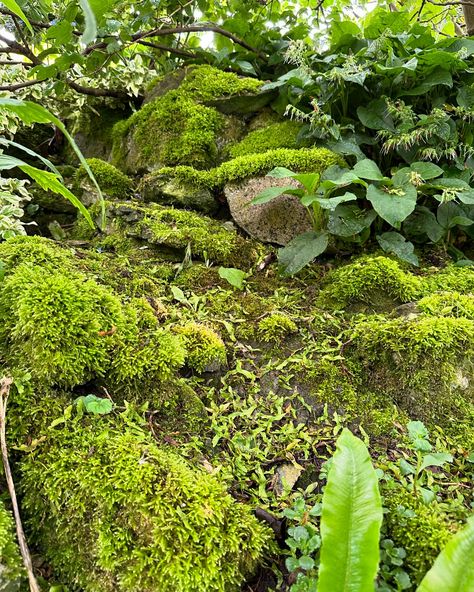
x=302, y=250
x=395, y=207
x=393, y=242
x=235, y=277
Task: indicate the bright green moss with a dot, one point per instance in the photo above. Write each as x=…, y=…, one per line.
x=256, y=165
x=204, y=83
x=207, y=238
x=421, y=530
x=12, y=571
x=448, y=304
x=110, y=179
x=277, y=135
x=57, y=325
x=34, y=250
x=275, y=327
x=111, y=511
x=205, y=350
x=459, y=279
x=371, y=280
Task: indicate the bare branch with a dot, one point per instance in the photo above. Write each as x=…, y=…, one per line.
x=20, y=85
x=452, y=3
x=5, y=385
x=98, y=92
x=175, y=50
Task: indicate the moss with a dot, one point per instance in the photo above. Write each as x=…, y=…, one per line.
x=275, y=327
x=110, y=179
x=176, y=229
x=12, y=571
x=256, y=165
x=204, y=83
x=450, y=304
x=421, y=530
x=459, y=279
x=112, y=511
x=35, y=250
x=205, y=350
x=277, y=135
x=56, y=325
x=370, y=280
x=416, y=362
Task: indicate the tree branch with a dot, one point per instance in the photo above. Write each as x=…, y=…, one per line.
x=20, y=85
x=98, y=92
x=175, y=50
x=5, y=385
x=452, y=3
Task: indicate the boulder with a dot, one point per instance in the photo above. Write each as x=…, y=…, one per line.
x=278, y=221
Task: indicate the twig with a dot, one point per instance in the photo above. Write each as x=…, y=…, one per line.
x=5, y=385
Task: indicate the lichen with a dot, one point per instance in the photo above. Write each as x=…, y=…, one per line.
x=112, y=511
x=283, y=134
x=205, y=350
x=110, y=179
x=275, y=327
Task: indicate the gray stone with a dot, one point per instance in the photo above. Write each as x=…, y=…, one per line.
x=278, y=221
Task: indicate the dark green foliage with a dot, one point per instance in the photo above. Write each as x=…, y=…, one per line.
x=114, y=512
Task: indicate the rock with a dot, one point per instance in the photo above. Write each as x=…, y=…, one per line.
x=277, y=221
x=161, y=85
x=165, y=189
x=286, y=476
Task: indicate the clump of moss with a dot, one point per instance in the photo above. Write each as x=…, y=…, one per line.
x=282, y=134
x=112, y=511
x=275, y=327
x=205, y=83
x=57, y=325
x=459, y=279
x=371, y=280
x=449, y=304
x=205, y=350
x=421, y=530
x=256, y=165
x=110, y=179
x=12, y=571
x=35, y=250
x=176, y=229
x=415, y=361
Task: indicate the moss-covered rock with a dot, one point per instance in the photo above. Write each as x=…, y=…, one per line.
x=171, y=231
x=112, y=511
x=177, y=128
x=275, y=327
x=282, y=134
x=111, y=181
x=166, y=189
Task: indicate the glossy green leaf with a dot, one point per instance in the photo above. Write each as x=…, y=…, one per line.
x=351, y=520
x=270, y=193
x=393, y=242
x=394, y=204
x=235, y=277
x=16, y=9
x=368, y=169
x=302, y=250
x=453, y=570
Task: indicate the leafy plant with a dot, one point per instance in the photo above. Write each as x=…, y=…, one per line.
x=351, y=518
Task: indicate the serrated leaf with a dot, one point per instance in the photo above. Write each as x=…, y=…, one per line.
x=351, y=520
x=302, y=250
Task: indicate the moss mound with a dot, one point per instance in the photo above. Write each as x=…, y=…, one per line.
x=113, y=511
x=282, y=134
x=110, y=179
x=205, y=349
x=12, y=571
